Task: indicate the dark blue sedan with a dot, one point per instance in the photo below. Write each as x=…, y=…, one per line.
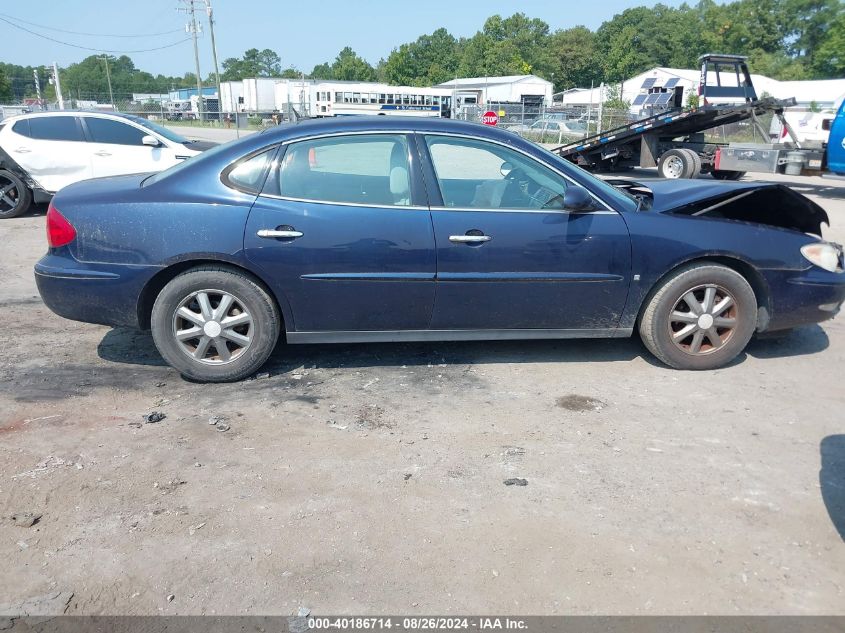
x=386, y=229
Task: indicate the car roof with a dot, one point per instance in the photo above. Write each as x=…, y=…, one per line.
x=370, y=123
x=52, y=113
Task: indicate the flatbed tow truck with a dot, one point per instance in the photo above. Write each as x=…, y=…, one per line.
x=674, y=142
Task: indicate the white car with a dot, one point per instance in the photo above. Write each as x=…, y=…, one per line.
x=42, y=152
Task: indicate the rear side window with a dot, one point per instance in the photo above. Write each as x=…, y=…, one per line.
x=113, y=132
x=248, y=174
x=21, y=127
x=360, y=169
x=55, y=128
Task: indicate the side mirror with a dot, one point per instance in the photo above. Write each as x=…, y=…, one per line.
x=151, y=141
x=577, y=199
x=826, y=124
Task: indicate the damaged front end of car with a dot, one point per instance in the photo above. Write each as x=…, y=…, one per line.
x=768, y=204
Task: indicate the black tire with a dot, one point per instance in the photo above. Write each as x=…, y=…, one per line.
x=695, y=163
x=661, y=331
x=14, y=189
x=249, y=298
x=674, y=164
x=726, y=174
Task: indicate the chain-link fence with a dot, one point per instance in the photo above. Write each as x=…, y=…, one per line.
x=164, y=109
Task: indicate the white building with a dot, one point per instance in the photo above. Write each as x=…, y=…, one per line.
x=527, y=89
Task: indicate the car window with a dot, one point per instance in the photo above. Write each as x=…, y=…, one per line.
x=361, y=169
x=167, y=133
x=55, y=128
x=113, y=132
x=248, y=175
x=21, y=127
x=479, y=175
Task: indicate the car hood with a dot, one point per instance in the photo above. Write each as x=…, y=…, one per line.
x=200, y=146
x=770, y=204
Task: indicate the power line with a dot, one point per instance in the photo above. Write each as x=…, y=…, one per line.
x=50, y=28
x=88, y=48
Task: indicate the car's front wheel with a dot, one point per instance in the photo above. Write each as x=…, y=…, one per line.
x=15, y=196
x=701, y=317
x=215, y=324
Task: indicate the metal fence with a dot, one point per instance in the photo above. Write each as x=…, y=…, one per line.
x=184, y=112
x=538, y=123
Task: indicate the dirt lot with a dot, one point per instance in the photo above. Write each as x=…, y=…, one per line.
x=369, y=478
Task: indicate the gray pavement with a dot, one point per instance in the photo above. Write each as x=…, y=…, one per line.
x=369, y=478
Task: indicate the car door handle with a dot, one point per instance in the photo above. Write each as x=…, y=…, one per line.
x=22, y=150
x=469, y=239
x=275, y=234
x=102, y=153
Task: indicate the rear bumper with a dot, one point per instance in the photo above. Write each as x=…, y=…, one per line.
x=93, y=293
x=811, y=296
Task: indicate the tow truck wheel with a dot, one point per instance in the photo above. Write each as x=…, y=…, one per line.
x=674, y=164
x=14, y=195
x=695, y=165
x=725, y=174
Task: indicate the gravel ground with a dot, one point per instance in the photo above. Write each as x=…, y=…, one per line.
x=370, y=478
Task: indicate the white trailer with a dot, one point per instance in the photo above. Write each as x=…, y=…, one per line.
x=259, y=94
x=232, y=96
x=294, y=97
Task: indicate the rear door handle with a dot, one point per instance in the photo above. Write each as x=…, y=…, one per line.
x=22, y=150
x=102, y=153
x=469, y=239
x=276, y=234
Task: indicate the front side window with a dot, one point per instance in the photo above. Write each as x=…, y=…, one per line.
x=475, y=174
x=55, y=128
x=113, y=132
x=361, y=169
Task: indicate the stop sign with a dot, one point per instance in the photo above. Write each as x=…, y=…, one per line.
x=490, y=118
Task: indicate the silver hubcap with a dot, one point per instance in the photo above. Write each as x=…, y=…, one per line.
x=212, y=327
x=674, y=167
x=703, y=319
x=8, y=194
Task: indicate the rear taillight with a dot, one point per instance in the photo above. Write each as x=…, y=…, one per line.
x=59, y=231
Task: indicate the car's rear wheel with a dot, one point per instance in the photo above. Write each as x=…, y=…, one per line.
x=15, y=196
x=215, y=324
x=701, y=317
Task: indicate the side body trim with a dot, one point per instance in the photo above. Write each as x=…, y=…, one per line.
x=394, y=336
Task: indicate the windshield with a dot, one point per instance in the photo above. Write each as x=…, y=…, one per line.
x=625, y=200
x=169, y=134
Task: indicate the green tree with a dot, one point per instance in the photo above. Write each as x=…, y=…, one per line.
x=829, y=57
x=431, y=59
x=574, y=54
x=349, y=66
x=291, y=73
x=516, y=45
x=5, y=88
x=321, y=71
x=254, y=63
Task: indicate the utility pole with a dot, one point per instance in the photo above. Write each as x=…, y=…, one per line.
x=58, y=86
x=37, y=87
x=105, y=58
x=210, y=12
x=192, y=28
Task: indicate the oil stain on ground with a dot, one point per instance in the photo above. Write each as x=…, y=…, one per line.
x=574, y=402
